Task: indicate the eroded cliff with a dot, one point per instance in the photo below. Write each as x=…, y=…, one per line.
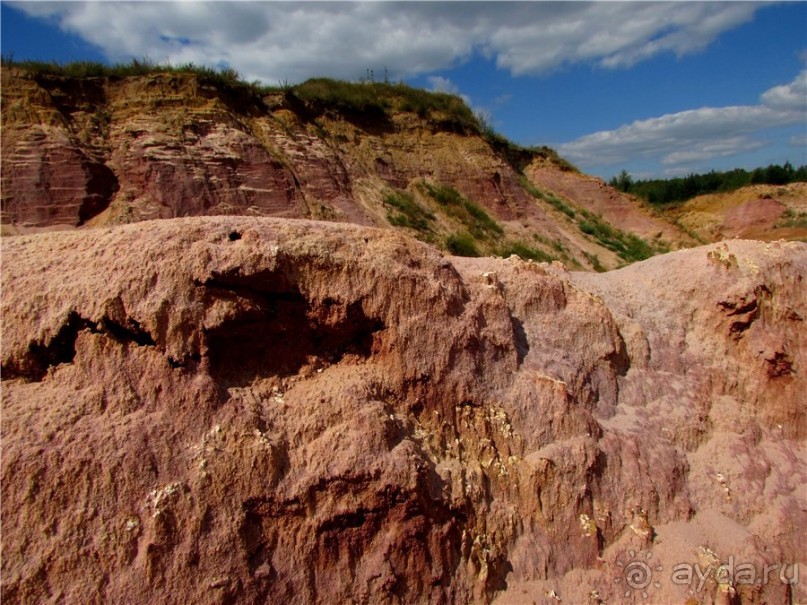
x=97, y=151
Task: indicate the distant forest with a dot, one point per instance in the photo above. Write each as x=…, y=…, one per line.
x=669, y=191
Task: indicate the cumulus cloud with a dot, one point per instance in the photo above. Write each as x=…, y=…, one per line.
x=610, y=34
x=789, y=97
x=697, y=134
x=706, y=150
x=274, y=41
x=441, y=84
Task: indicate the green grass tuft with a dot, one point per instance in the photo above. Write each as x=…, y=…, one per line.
x=341, y=95
x=524, y=251
x=444, y=195
x=443, y=110
x=225, y=77
x=595, y=262
x=554, y=201
x=478, y=222
x=792, y=218
x=461, y=244
x=627, y=246
x=404, y=211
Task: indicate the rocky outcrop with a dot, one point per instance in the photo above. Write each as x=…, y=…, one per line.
x=104, y=151
x=54, y=183
x=231, y=409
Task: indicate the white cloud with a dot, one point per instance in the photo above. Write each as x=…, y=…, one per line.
x=694, y=135
x=441, y=84
x=275, y=41
x=789, y=97
x=690, y=27
x=292, y=41
x=706, y=150
x=612, y=34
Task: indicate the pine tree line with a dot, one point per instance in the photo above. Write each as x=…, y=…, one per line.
x=679, y=189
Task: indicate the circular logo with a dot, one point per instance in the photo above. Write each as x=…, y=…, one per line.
x=637, y=573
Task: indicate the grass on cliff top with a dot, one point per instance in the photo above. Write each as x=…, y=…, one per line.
x=518, y=156
x=444, y=110
x=386, y=98
x=225, y=77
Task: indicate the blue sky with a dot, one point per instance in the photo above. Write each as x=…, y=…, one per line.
x=656, y=88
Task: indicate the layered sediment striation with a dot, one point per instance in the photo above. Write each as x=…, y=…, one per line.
x=98, y=151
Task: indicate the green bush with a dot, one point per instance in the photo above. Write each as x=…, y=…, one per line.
x=443, y=194
x=404, y=211
x=595, y=262
x=482, y=222
x=561, y=206
x=526, y=252
x=517, y=156
x=792, y=218
x=446, y=109
x=627, y=246
x=476, y=220
x=587, y=228
x=461, y=244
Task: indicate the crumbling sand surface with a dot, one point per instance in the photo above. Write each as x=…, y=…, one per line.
x=252, y=410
